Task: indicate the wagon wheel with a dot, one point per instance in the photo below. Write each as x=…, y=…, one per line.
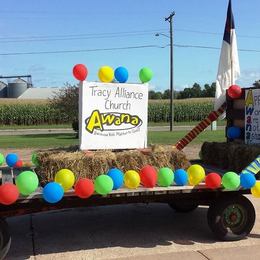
x=232, y=218
x=183, y=207
x=5, y=239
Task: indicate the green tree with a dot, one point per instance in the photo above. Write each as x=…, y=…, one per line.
x=186, y=93
x=196, y=90
x=209, y=90
x=158, y=95
x=154, y=95
x=151, y=94
x=257, y=84
x=166, y=94
x=66, y=100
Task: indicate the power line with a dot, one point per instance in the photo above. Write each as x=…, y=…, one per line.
x=210, y=47
x=80, y=35
x=119, y=48
x=105, y=35
x=68, y=37
x=76, y=38
x=86, y=50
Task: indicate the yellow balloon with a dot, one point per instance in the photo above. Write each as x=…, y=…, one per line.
x=106, y=74
x=65, y=178
x=196, y=174
x=256, y=190
x=132, y=179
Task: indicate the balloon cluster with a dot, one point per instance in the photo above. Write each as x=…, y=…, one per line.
x=27, y=181
x=107, y=74
x=234, y=92
x=230, y=180
x=12, y=160
x=25, y=184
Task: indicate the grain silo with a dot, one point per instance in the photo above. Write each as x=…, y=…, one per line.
x=3, y=90
x=16, y=88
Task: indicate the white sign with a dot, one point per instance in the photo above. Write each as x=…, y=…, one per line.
x=252, y=116
x=112, y=115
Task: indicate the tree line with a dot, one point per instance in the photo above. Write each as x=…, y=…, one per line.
x=196, y=91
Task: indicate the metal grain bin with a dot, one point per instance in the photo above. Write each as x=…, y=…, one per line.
x=3, y=90
x=16, y=89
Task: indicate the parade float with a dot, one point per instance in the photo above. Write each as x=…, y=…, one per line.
x=114, y=165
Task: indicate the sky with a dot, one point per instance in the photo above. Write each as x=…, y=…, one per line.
x=30, y=26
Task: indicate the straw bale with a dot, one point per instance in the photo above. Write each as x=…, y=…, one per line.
x=92, y=164
x=233, y=156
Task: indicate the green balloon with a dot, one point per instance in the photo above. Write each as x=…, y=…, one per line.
x=27, y=182
x=35, y=160
x=2, y=159
x=145, y=74
x=231, y=181
x=165, y=177
x=103, y=184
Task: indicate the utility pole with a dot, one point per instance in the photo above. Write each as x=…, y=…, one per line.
x=169, y=19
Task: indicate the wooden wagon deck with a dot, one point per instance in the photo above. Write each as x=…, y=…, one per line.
x=184, y=195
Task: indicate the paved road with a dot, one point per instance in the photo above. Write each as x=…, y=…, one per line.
x=124, y=232
x=69, y=130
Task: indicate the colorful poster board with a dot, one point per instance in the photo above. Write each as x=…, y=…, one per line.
x=252, y=116
x=112, y=115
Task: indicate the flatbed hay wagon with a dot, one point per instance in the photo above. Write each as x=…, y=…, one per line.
x=231, y=216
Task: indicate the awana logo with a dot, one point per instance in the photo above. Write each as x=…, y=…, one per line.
x=111, y=121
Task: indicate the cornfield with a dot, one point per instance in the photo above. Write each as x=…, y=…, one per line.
x=30, y=114
x=183, y=111
x=44, y=113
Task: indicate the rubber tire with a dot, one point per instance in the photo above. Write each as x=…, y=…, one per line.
x=215, y=218
x=182, y=208
x=5, y=239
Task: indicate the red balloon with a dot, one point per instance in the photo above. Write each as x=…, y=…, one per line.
x=80, y=72
x=19, y=164
x=148, y=176
x=234, y=92
x=213, y=180
x=84, y=188
x=9, y=193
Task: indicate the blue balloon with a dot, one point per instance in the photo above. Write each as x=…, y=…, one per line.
x=247, y=180
x=53, y=192
x=117, y=176
x=11, y=159
x=121, y=74
x=233, y=132
x=180, y=177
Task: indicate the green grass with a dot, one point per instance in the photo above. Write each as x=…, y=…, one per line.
x=15, y=127
x=173, y=137
x=191, y=123
x=38, y=141
x=64, y=140
x=61, y=126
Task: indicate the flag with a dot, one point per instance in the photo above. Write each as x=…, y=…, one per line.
x=228, y=68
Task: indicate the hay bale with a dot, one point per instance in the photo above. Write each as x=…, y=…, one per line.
x=90, y=165
x=233, y=156
x=215, y=154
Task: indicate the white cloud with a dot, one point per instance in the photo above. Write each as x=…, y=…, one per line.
x=152, y=87
x=248, y=77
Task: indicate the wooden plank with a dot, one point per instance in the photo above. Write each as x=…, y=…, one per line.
x=140, y=191
x=136, y=193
